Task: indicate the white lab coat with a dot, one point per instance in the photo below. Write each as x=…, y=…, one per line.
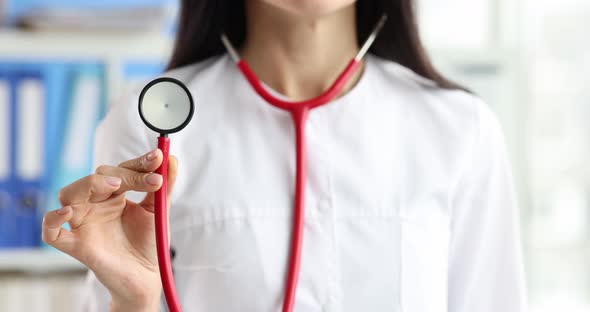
x=410, y=205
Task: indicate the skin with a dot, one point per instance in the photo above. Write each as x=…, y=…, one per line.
x=297, y=47
x=113, y=236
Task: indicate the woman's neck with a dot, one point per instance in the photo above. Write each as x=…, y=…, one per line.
x=298, y=56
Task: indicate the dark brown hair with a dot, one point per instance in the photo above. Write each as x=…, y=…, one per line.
x=202, y=21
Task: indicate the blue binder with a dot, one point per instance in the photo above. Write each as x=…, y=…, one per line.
x=23, y=196
x=39, y=114
x=7, y=226
x=29, y=150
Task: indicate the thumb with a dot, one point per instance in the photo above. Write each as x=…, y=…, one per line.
x=149, y=200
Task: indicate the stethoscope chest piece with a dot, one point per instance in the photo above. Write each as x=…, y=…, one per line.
x=166, y=105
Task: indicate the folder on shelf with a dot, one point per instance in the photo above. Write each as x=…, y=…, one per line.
x=48, y=114
x=7, y=231
x=56, y=77
x=84, y=112
x=29, y=153
x=96, y=15
x=120, y=19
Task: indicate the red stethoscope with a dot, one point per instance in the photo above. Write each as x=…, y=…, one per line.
x=166, y=106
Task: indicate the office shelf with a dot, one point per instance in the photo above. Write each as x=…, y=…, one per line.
x=35, y=44
x=37, y=261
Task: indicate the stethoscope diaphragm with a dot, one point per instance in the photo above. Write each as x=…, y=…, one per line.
x=166, y=105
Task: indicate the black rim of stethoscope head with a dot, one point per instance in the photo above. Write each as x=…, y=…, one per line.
x=189, y=116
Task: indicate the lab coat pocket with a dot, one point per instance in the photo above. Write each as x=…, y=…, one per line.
x=424, y=263
x=222, y=258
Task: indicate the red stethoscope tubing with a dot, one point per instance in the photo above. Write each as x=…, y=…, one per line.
x=161, y=220
x=299, y=112
x=324, y=98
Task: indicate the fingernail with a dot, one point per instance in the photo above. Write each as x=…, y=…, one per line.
x=114, y=181
x=151, y=155
x=153, y=179
x=63, y=210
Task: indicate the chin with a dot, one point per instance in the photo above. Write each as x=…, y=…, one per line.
x=310, y=7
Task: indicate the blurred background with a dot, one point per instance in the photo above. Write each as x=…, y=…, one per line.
x=63, y=61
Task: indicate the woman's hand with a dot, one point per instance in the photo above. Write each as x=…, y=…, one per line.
x=113, y=236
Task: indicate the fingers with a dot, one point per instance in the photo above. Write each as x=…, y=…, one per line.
x=172, y=172
x=132, y=180
x=92, y=188
x=53, y=234
x=146, y=163
x=148, y=202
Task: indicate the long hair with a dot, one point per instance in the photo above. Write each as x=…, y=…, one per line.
x=202, y=21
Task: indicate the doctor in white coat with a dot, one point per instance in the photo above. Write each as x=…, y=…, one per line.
x=410, y=204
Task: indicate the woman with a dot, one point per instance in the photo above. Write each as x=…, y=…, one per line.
x=409, y=199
